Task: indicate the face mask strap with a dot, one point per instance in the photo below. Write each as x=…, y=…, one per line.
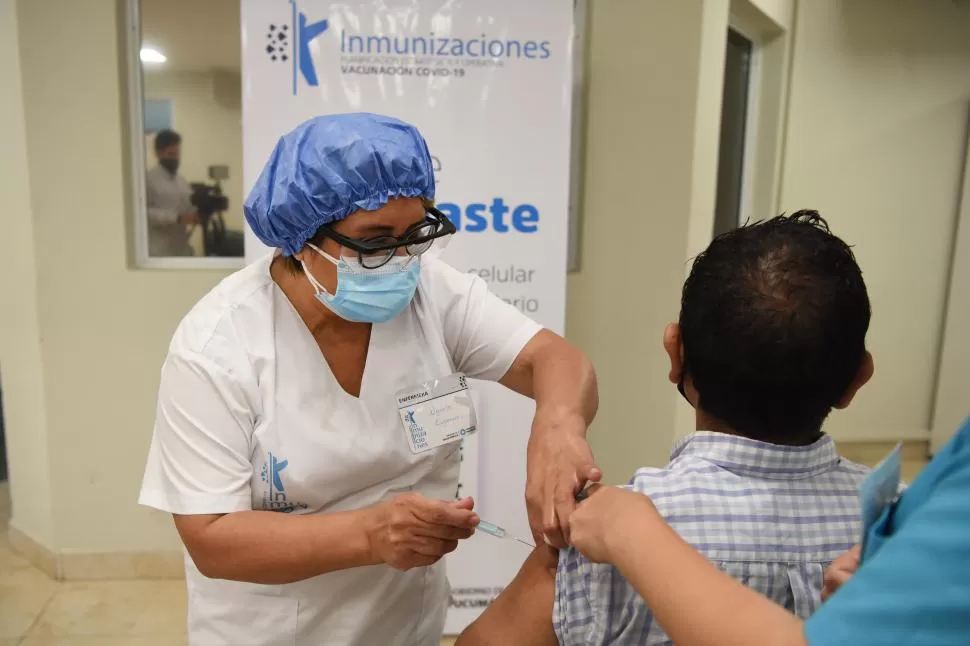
x=313, y=281
x=323, y=253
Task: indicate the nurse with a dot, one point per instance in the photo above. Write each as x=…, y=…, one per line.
x=280, y=394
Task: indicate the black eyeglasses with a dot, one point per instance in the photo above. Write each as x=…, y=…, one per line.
x=374, y=253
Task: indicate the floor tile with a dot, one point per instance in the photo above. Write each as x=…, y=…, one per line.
x=10, y=561
x=146, y=608
x=24, y=593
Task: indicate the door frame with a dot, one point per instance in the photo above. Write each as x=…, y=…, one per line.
x=951, y=403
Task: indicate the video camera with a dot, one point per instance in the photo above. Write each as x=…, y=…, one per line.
x=208, y=199
x=210, y=202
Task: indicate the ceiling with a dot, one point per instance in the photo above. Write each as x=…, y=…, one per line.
x=195, y=35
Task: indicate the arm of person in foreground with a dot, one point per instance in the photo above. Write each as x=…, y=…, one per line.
x=694, y=602
x=522, y=614
x=562, y=381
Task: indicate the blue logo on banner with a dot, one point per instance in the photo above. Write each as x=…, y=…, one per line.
x=280, y=45
x=400, y=55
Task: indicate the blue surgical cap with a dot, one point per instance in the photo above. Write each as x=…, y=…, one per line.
x=332, y=166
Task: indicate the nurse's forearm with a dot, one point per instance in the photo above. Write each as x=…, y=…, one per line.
x=564, y=384
x=696, y=604
x=558, y=376
x=272, y=548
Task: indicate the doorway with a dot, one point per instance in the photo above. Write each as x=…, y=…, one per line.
x=734, y=131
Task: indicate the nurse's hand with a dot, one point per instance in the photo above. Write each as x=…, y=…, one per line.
x=560, y=464
x=412, y=531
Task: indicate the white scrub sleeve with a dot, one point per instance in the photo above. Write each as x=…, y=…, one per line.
x=199, y=458
x=483, y=333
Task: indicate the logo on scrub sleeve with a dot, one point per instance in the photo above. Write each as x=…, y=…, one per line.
x=274, y=496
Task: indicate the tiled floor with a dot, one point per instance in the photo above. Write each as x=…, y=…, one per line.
x=36, y=611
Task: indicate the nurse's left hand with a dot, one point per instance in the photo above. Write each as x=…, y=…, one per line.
x=560, y=463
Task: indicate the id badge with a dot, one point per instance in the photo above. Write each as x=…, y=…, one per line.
x=879, y=489
x=436, y=412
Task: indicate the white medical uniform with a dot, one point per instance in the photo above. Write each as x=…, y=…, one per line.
x=251, y=417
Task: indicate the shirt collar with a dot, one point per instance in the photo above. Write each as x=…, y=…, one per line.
x=745, y=456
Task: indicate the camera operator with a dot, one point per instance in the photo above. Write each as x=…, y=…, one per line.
x=170, y=210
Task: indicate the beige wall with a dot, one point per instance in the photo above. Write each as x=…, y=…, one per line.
x=644, y=66
x=655, y=74
x=211, y=127
x=21, y=368
x=876, y=132
x=104, y=326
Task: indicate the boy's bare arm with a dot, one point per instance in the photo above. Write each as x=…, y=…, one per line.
x=522, y=614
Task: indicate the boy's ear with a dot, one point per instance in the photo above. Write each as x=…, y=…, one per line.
x=674, y=348
x=866, y=368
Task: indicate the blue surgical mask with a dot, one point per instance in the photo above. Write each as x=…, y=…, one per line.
x=368, y=295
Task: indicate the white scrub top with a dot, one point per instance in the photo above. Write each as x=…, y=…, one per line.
x=251, y=417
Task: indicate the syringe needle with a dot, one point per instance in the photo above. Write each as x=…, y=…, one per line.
x=499, y=532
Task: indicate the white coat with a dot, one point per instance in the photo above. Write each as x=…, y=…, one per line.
x=251, y=417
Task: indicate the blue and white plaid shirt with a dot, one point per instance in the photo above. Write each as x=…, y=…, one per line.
x=771, y=516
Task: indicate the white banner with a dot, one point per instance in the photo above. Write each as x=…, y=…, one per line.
x=489, y=84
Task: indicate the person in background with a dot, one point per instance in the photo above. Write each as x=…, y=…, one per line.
x=771, y=338
x=170, y=211
x=912, y=587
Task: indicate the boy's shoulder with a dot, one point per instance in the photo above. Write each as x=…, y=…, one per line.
x=742, y=475
x=853, y=468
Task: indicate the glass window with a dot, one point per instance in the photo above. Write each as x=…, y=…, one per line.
x=185, y=99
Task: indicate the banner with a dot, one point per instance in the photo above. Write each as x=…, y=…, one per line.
x=489, y=84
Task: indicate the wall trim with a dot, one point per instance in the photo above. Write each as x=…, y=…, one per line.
x=32, y=551
x=96, y=566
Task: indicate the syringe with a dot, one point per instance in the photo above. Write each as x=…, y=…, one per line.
x=499, y=532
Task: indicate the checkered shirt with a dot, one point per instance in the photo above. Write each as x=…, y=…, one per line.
x=772, y=517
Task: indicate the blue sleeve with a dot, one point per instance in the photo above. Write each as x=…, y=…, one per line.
x=916, y=589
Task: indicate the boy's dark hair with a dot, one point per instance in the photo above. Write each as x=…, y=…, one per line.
x=166, y=139
x=773, y=320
